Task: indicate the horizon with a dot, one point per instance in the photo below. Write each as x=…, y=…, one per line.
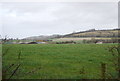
x=20, y=20
x=55, y=34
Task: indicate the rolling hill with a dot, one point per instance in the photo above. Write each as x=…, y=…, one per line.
x=82, y=34
x=95, y=33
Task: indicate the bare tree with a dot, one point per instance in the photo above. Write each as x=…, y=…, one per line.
x=5, y=39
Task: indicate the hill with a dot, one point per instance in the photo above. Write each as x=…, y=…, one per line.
x=88, y=33
x=42, y=37
x=95, y=33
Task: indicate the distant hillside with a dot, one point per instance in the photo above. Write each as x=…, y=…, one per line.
x=42, y=37
x=96, y=33
x=88, y=33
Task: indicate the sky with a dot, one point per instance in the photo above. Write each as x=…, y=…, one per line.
x=25, y=19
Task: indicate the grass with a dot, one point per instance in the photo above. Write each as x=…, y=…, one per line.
x=59, y=61
x=107, y=33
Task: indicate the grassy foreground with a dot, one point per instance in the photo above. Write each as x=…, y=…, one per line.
x=59, y=61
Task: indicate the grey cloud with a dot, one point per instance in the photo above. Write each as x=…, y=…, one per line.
x=28, y=19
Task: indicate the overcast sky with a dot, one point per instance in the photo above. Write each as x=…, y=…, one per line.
x=21, y=20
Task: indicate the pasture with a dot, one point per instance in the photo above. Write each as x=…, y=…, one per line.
x=58, y=61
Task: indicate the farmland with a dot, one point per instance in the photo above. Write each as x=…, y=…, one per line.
x=58, y=61
x=95, y=33
x=81, y=39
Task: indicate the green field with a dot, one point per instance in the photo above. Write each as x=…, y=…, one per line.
x=58, y=61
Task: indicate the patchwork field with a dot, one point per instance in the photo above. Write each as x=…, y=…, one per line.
x=81, y=39
x=58, y=61
x=71, y=39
